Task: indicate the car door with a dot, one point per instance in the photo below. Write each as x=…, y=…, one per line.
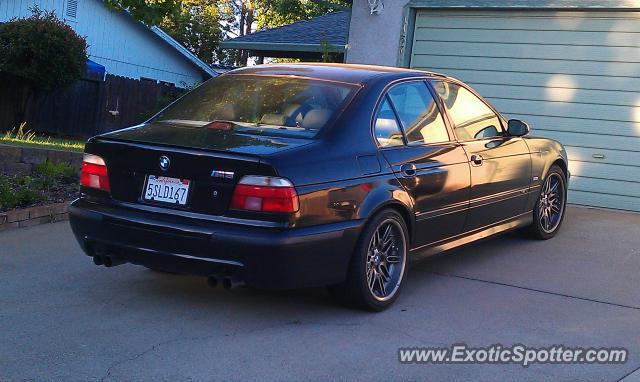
x=433, y=168
x=500, y=165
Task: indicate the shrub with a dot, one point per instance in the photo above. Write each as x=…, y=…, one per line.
x=42, y=50
x=19, y=191
x=28, y=195
x=59, y=170
x=8, y=199
x=43, y=53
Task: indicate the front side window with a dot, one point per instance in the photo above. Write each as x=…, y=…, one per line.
x=269, y=105
x=387, y=129
x=418, y=111
x=471, y=117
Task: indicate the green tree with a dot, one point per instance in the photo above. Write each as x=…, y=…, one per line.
x=274, y=13
x=150, y=12
x=239, y=21
x=40, y=53
x=197, y=26
x=251, y=15
x=201, y=24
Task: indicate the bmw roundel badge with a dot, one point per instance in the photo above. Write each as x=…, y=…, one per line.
x=164, y=163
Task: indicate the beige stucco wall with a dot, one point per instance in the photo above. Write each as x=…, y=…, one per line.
x=375, y=39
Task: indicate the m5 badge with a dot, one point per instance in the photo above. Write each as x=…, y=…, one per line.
x=222, y=174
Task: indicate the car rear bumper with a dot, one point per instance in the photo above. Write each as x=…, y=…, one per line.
x=264, y=257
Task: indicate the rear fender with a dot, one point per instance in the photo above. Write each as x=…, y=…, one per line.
x=390, y=195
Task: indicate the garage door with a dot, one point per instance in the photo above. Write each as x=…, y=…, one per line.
x=574, y=76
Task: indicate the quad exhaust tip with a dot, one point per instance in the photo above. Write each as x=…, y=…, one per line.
x=227, y=281
x=213, y=281
x=112, y=261
x=108, y=260
x=231, y=282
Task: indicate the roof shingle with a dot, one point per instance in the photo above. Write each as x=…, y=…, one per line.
x=331, y=28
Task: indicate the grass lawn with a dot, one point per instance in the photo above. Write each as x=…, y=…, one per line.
x=46, y=143
x=31, y=139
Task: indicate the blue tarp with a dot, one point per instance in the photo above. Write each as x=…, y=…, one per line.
x=96, y=69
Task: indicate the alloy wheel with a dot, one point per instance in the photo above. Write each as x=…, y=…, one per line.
x=551, y=203
x=386, y=258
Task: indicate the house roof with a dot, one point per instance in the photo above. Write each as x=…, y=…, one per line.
x=302, y=36
x=184, y=51
x=529, y=4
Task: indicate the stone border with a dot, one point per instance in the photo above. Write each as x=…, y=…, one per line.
x=27, y=217
x=17, y=160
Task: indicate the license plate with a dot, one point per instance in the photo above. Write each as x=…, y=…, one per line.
x=166, y=190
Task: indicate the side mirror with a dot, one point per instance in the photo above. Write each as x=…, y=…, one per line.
x=517, y=128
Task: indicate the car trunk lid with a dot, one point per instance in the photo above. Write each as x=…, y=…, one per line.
x=211, y=174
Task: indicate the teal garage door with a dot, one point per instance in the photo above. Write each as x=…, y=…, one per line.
x=574, y=76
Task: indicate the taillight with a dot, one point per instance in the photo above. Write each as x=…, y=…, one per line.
x=94, y=173
x=265, y=194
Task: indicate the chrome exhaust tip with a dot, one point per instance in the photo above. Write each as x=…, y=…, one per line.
x=112, y=261
x=213, y=281
x=231, y=282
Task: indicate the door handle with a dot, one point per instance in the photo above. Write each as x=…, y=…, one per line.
x=476, y=160
x=408, y=170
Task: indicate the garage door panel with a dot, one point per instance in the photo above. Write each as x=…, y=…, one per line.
x=604, y=186
x=588, y=154
x=604, y=171
x=532, y=51
x=426, y=61
x=591, y=140
x=604, y=200
x=573, y=76
x=572, y=110
x=599, y=128
x=575, y=38
x=556, y=21
x=560, y=94
x=506, y=78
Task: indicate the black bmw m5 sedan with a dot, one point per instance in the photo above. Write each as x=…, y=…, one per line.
x=288, y=176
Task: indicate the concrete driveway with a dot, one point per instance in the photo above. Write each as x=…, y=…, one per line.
x=62, y=318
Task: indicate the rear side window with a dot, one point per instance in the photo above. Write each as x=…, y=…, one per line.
x=419, y=114
x=471, y=117
x=386, y=127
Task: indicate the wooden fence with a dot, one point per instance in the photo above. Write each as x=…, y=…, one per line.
x=89, y=107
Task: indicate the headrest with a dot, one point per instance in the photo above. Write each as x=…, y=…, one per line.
x=316, y=119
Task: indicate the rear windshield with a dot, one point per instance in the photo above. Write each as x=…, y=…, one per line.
x=266, y=105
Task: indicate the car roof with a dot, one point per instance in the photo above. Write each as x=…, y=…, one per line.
x=350, y=73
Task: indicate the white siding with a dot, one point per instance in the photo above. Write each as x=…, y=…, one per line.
x=124, y=46
x=574, y=76
x=374, y=39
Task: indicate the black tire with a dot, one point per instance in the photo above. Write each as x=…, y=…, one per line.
x=542, y=229
x=385, y=261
